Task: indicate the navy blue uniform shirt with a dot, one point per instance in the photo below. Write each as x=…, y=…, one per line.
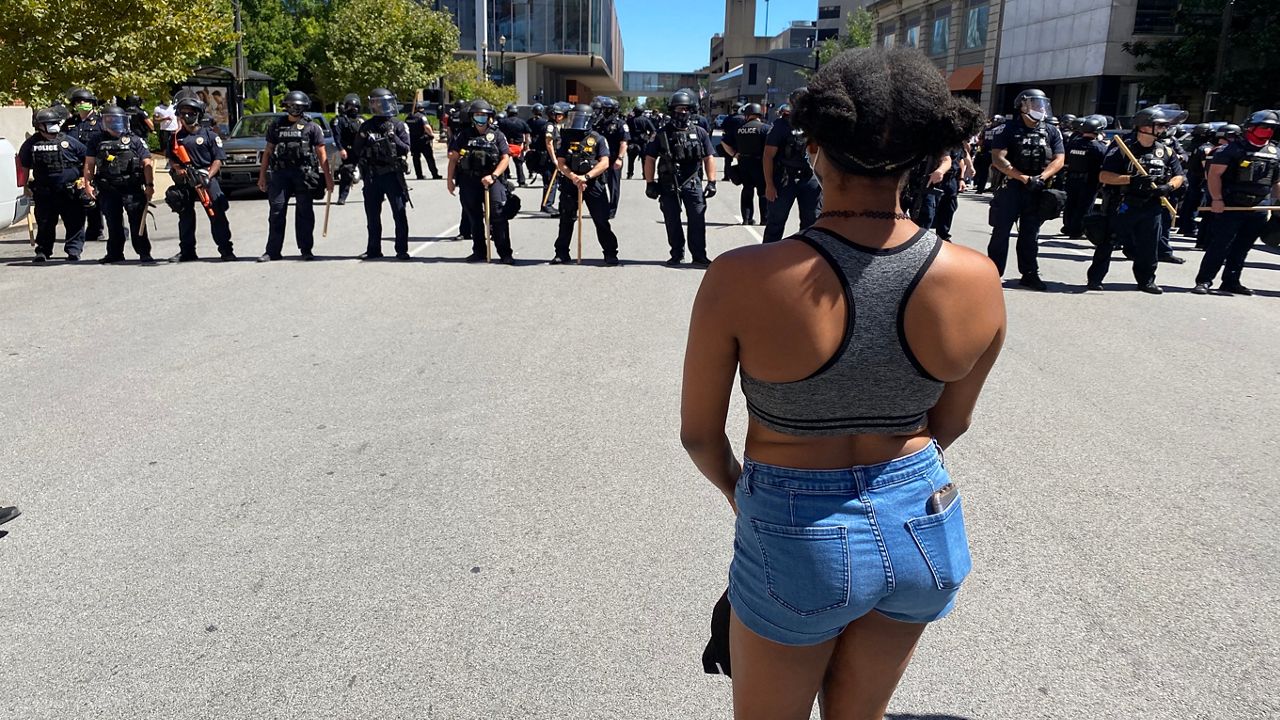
x=204, y=146
x=1015, y=133
x=72, y=151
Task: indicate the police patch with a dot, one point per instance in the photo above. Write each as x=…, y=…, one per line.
x=1159, y=152
x=65, y=144
x=200, y=141
x=489, y=137
x=299, y=126
x=218, y=141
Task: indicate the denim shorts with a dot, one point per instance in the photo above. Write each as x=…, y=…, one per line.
x=815, y=550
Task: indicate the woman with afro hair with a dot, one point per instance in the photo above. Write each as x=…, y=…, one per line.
x=862, y=344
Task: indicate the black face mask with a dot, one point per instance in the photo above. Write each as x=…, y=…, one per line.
x=189, y=118
x=680, y=119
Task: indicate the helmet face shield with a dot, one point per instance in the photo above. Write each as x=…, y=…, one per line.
x=1037, y=108
x=579, y=120
x=115, y=124
x=384, y=106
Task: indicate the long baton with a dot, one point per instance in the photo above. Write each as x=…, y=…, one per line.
x=546, y=196
x=1143, y=171
x=488, y=238
x=1260, y=208
x=31, y=224
x=579, y=226
x=328, y=200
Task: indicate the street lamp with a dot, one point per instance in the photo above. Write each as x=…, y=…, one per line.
x=768, y=94
x=502, y=57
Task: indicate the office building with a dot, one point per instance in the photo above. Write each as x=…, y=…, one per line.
x=960, y=36
x=832, y=15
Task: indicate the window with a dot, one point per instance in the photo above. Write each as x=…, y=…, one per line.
x=938, y=39
x=1155, y=17
x=889, y=40
x=751, y=74
x=975, y=27
x=828, y=12
x=913, y=36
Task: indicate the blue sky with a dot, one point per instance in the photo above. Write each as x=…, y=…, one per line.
x=674, y=35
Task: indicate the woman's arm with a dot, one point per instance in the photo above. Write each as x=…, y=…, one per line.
x=710, y=362
x=951, y=416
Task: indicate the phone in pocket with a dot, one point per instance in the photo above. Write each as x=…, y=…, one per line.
x=941, y=499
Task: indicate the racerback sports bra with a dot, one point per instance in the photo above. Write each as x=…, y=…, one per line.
x=873, y=384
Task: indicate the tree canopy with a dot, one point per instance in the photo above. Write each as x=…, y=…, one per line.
x=461, y=82
x=1185, y=66
x=859, y=28
x=398, y=44
x=116, y=48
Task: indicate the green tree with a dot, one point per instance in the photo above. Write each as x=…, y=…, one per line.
x=282, y=38
x=111, y=48
x=859, y=27
x=398, y=44
x=461, y=82
x=1186, y=66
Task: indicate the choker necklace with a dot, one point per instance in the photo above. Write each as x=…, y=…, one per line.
x=870, y=214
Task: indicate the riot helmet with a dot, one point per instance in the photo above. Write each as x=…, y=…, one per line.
x=512, y=110
x=115, y=120
x=1052, y=120
x=48, y=121
x=752, y=109
x=561, y=109
x=421, y=106
x=997, y=120
x=784, y=110
x=383, y=103
x=1261, y=126
x=296, y=103
x=1153, y=117
x=608, y=106
x=188, y=107
x=579, y=118
x=1174, y=113
x=537, y=110
x=351, y=105
x=81, y=100
x=1034, y=104
x=1229, y=132
x=1202, y=131
x=681, y=105
x=1069, y=121
x=1092, y=125
x=132, y=103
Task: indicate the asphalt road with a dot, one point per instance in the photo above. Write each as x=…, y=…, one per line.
x=429, y=489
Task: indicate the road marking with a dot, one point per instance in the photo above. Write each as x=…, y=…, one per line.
x=446, y=234
x=749, y=228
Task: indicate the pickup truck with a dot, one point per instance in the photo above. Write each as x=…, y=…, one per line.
x=247, y=142
x=13, y=204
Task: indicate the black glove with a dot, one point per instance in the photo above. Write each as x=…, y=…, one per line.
x=1035, y=183
x=651, y=190
x=1165, y=190
x=1142, y=186
x=710, y=192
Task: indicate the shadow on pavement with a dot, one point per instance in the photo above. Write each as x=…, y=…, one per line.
x=909, y=716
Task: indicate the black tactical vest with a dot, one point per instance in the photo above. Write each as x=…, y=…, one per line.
x=1249, y=179
x=119, y=167
x=1081, y=157
x=749, y=140
x=378, y=153
x=293, y=149
x=794, y=154
x=48, y=160
x=580, y=153
x=480, y=156
x=1155, y=160
x=1032, y=154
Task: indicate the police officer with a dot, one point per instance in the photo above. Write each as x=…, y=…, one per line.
x=55, y=160
x=517, y=132
x=1223, y=137
x=641, y=130
x=120, y=177
x=297, y=158
x=788, y=176
x=1133, y=206
x=1029, y=152
x=140, y=123
x=1200, y=144
x=478, y=158
x=673, y=167
x=1085, y=152
x=942, y=193
x=535, y=154
x=1069, y=127
x=559, y=111
x=982, y=164
x=1241, y=174
x=614, y=130
x=203, y=147
x=346, y=126
x=729, y=129
x=584, y=158
x=746, y=146
x=85, y=125
x=381, y=148
x=421, y=136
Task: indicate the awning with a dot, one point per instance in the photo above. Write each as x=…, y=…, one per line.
x=966, y=78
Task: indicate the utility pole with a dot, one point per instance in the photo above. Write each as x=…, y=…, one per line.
x=1223, y=38
x=241, y=71
x=482, y=37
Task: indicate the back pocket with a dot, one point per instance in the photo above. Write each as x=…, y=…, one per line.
x=944, y=544
x=806, y=568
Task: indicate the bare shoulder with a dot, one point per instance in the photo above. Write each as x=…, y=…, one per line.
x=959, y=269
x=759, y=274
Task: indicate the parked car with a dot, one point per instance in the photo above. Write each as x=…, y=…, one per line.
x=248, y=141
x=13, y=204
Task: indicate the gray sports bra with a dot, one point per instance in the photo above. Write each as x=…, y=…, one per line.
x=873, y=384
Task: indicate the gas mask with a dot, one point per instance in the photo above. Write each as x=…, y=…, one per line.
x=351, y=112
x=189, y=117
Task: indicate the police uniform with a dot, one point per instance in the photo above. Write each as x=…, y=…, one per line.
x=614, y=130
x=535, y=156
x=551, y=137
x=982, y=163
x=345, y=130
x=479, y=152
x=88, y=130
x=515, y=130
x=120, y=182
x=204, y=148
x=55, y=167
x=295, y=173
x=641, y=130
x=1030, y=150
x=1251, y=174
x=1197, y=166
x=942, y=199
x=420, y=141
x=381, y=147
x=729, y=129
x=748, y=141
x=1083, y=163
x=793, y=180
x=679, y=154
x=1135, y=214
x=581, y=152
